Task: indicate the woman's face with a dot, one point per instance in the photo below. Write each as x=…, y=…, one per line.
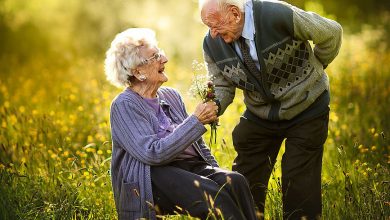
x=154, y=65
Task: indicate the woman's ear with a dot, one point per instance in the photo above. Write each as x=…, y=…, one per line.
x=138, y=75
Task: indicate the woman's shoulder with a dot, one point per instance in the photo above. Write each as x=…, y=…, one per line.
x=126, y=96
x=169, y=92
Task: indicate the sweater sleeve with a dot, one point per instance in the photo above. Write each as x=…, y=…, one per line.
x=132, y=129
x=326, y=34
x=207, y=153
x=224, y=89
x=202, y=145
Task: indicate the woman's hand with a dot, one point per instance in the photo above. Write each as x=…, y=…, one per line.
x=206, y=112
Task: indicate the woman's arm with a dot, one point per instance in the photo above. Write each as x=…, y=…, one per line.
x=133, y=130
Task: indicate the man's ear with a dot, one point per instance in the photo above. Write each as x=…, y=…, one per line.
x=236, y=12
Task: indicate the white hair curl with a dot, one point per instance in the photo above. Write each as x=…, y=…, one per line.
x=223, y=3
x=124, y=54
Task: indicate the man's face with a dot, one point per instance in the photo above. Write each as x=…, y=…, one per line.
x=227, y=22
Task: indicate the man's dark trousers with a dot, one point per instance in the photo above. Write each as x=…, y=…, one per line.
x=258, y=144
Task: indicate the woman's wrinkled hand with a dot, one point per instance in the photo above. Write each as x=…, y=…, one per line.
x=206, y=112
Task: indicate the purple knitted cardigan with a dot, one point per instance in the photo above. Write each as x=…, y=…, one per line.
x=136, y=147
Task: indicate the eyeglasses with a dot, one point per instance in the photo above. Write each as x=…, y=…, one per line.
x=157, y=57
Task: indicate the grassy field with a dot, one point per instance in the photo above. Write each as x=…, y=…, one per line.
x=55, y=139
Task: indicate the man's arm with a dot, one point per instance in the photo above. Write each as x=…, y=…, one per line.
x=326, y=34
x=224, y=90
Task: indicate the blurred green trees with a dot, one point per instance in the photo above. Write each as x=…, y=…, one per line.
x=54, y=104
x=85, y=28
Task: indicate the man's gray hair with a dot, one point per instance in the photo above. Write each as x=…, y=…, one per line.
x=223, y=3
x=124, y=54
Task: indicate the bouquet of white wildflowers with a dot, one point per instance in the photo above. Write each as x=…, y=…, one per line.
x=202, y=87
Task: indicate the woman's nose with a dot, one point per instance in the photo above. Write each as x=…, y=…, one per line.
x=164, y=58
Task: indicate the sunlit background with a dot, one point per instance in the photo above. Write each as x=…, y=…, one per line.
x=55, y=144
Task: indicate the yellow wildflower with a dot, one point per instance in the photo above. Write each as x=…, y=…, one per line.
x=13, y=119
x=72, y=97
x=333, y=117
x=91, y=150
x=65, y=128
x=65, y=154
x=22, y=109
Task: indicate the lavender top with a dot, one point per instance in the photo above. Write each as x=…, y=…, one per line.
x=136, y=146
x=166, y=125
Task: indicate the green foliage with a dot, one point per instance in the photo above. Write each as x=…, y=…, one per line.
x=54, y=106
x=352, y=13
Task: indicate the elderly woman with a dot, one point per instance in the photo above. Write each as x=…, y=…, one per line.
x=160, y=163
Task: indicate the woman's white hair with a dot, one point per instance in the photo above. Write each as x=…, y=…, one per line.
x=223, y=3
x=124, y=54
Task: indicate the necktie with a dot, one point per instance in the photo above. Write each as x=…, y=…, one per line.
x=247, y=59
x=254, y=73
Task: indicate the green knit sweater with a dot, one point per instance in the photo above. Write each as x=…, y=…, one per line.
x=292, y=72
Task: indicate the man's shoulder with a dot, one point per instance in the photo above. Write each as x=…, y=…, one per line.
x=271, y=2
x=270, y=6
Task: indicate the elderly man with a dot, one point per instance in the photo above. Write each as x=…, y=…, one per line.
x=262, y=47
